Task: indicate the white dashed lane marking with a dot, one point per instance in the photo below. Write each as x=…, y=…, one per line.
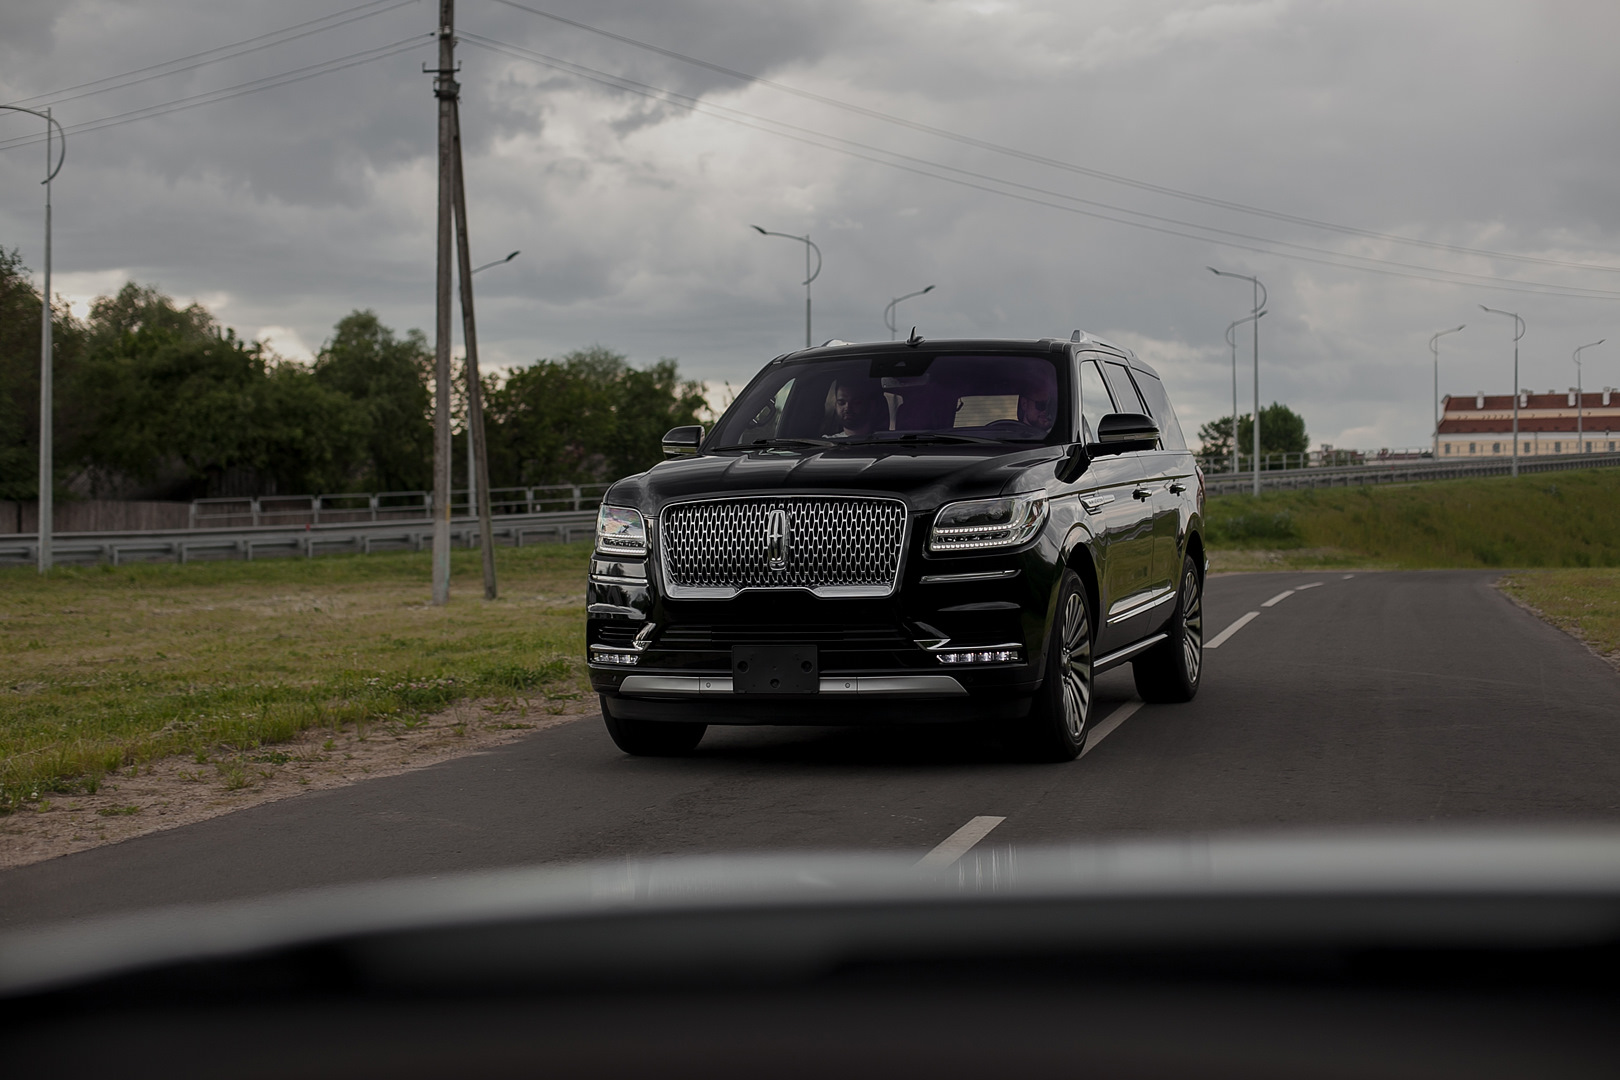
x=1279, y=598
x=1302, y=588
x=959, y=843
x=1220, y=639
x=1101, y=731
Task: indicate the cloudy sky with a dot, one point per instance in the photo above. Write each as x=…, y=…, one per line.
x=1383, y=167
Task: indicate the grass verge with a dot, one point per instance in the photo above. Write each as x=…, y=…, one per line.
x=1583, y=603
x=1568, y=519
x=107, y=668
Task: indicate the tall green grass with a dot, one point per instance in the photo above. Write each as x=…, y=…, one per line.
x=1566, y=519
x=105, y=667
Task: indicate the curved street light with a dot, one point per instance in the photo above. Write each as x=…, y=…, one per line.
x=1231, y=340
x=1518, y=332
x=809, y=275
x=497, y=262
x=1260, y=297
x=1434, y=347
x=1580, y=433
x=472, y=455
x=46, y=465
x=888, y=312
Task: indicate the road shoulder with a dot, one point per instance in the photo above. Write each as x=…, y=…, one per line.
x=180, y=790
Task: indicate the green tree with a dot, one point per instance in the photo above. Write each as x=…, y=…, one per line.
x=1215, y=438
x=162, y=385
x=587, y=416
x=19, y=380
x=1282, y=431
x=387, y=380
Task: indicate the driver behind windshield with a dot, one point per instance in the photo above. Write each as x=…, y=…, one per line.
x=1037, y=404
x=860, y=407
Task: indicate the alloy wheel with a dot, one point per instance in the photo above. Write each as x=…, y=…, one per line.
x=1075, y=661
x=1192, y=625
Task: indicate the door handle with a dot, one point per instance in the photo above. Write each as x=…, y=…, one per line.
x=1177, y=487
x=1095, y=503
x=1142, y=493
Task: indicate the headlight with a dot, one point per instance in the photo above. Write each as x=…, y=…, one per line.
x=619, y=531
x=988, y=523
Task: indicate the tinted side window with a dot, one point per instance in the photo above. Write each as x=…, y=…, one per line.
x=1119, y=380
x=1159, y=408
x=1094, y=401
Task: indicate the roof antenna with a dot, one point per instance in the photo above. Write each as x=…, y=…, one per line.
x=915, y=339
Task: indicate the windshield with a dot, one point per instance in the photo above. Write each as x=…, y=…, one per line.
x=906, y=397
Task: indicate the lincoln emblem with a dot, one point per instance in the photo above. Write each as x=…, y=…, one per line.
x=776, y=539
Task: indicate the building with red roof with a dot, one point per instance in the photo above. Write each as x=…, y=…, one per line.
x=1481, y=425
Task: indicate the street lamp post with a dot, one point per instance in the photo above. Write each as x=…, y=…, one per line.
x=888, y=312
x=47, y=468
x=1260, y=296
x=1434, y=347
x=1518, y=332
x=472, y=456
x=809, y=275
x=1580, y=432
x=1231, y=339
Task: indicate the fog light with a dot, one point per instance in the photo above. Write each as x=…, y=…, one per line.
x=626, y=659
x=982, y=656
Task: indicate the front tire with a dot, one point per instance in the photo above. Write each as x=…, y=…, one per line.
x=652, y=738
x=1171, y=670
x=1060, y=717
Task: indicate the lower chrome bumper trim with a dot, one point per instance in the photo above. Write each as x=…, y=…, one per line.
x=892, y=685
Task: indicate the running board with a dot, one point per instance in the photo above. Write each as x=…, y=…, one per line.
x=1114, y=658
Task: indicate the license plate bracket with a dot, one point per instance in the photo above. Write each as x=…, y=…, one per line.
x=775, y=669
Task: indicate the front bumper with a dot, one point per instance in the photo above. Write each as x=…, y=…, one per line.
x=879, y=659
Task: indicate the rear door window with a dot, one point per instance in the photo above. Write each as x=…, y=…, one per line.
x=1125, y=395
x=1158, y=403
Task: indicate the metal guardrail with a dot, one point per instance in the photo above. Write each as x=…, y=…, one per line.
x=1402, y=472
x=373, y=506
x=187, y=545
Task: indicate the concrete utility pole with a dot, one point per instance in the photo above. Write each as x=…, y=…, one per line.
x=1518, y=332
x=1434, y=347
x=1580, y=431
x=475, y=392
x=445, y=89
x=1260, y=297
x=47, y=469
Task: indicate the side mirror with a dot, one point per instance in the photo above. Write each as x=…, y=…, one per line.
x=1120, y=433
x=682, y=441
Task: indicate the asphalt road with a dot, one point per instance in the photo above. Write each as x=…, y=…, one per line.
x=1367, y=699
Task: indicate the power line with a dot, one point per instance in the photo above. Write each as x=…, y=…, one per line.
x=1056, y=163
x=210, y=97
x=241, y=48
x=922, y=167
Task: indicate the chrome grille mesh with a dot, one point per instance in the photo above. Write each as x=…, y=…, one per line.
x=837, y=545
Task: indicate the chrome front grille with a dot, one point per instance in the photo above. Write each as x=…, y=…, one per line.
x=830, y=545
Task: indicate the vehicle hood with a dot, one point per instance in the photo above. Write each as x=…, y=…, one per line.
x=781, y=915
x=924, y=476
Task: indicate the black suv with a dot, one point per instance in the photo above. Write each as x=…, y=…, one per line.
x=902, y=533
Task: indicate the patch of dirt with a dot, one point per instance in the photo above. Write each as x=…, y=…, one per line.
x=178, y=791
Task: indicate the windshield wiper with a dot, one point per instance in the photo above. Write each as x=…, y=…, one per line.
x=943, y=437
x=767, y=443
